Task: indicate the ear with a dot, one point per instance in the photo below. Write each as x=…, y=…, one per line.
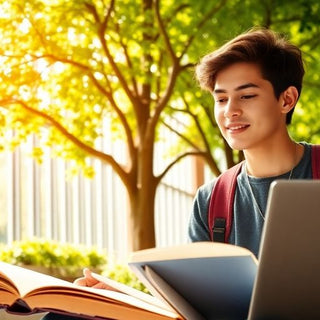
x=289, y=99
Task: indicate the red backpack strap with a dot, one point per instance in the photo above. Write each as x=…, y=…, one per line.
x=315, y=160
x=220, y=212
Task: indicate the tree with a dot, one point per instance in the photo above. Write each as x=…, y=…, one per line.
x=68, y=64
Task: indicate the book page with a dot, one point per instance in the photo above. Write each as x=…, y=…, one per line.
x=44, y=292
x=100, y=302
x=191, y=250
x=7, y=285
x=132, y=292
x=27, y=280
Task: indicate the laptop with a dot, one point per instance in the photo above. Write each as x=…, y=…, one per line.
x=287, y=285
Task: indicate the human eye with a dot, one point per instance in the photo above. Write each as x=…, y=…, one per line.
x=248, y=96
x=220, y=99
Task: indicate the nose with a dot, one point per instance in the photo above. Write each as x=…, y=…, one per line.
x=231, y=109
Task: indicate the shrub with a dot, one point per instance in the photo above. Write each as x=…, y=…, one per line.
x=123, y=274
x=65, y=260
x=62, y=260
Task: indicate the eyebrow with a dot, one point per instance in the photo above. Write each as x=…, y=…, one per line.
x=243, y=86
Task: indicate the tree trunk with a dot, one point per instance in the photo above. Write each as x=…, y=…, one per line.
x=142, y=196
x=141, y=218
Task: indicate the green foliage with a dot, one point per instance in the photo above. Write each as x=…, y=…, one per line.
x=122, y=273
x=64, y=67
x=65, y=260
x=61, y=259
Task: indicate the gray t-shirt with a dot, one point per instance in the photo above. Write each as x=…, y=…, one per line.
x=247, y=220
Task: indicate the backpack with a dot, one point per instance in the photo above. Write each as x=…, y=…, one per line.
x=220, y=211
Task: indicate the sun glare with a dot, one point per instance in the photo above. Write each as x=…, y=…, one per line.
x=58, y=67
x=5, y=10
x=44, y=97
x=24, y=92
x=24, y=26
x=120, y=57
x=41, y=65
x=71, y=34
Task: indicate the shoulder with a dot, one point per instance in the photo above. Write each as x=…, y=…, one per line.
x=204, y=191
x=310, y=150
x=308, y=146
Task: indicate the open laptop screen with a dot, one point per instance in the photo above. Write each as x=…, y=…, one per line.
x=287, y=285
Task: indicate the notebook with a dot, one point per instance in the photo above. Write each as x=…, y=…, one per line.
x=287, y=285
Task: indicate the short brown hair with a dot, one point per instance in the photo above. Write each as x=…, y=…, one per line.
x=280, y=61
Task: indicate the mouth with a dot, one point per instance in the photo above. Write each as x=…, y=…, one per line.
x=237, y=128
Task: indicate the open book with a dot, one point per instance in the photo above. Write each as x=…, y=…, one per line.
x=203, y=280
x=27, y=291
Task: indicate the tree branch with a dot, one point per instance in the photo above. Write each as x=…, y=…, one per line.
x=167, y=94
x=180, y=157
x=165, y=34
x=102, y=89
x=201, y=23
x=183, y=137
x=102, y=27
x=130, y=66
x=88, y=149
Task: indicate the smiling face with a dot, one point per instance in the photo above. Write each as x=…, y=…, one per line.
x=246, y=109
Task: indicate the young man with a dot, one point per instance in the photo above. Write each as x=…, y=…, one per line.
x=255, y=80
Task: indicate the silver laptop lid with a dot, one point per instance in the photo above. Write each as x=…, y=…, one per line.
x=288, y=279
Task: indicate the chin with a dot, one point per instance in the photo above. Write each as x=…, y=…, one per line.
x=235, y=145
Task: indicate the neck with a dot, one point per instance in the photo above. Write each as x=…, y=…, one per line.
x=274, y=160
